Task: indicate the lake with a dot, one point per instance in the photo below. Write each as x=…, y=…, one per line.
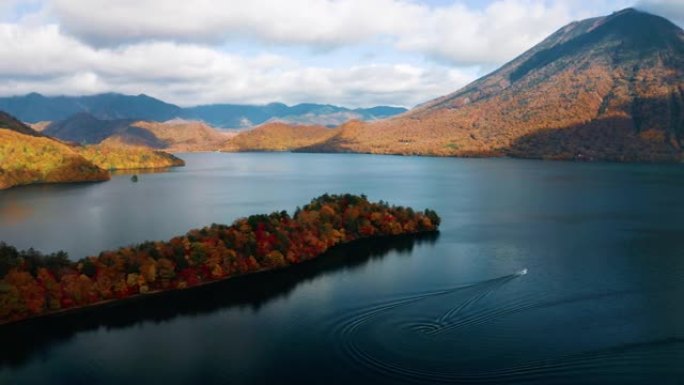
x=602, y=300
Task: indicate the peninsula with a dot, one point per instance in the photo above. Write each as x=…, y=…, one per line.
x=34, y=285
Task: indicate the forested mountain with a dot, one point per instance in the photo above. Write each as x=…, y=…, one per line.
x=86, y=129
x=9, y=122
x=278, y=137
x=34, y=108
x=233, y=115
x=607, y=88
x=28, y=157
x=172, y=135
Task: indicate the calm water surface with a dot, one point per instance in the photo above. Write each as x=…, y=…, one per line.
x=602, y=300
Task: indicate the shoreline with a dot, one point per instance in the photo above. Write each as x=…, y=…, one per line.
x=111, y=303
x=493, y=155
x=117, y=171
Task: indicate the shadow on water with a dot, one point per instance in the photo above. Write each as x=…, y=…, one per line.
x=142, y=171
x=33, y=336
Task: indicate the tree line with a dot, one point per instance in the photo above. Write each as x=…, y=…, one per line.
x=33, y=284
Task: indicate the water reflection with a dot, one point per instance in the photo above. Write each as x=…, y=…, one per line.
x=14, y=211
x=31, y=337
x=141, y=171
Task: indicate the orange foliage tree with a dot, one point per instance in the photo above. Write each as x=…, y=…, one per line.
x=33, y=284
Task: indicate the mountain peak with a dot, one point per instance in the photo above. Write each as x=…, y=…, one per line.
x=608, y=88
x=627, y=36
x=146, y=97
x=634, y=23
x=627, y=11
x=632, y=12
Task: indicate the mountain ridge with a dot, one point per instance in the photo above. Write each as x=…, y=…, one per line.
x=28, y=157
x=173, y=135
x=9, y=122
x=35, y=107
x=606, y=88
x=597, y=89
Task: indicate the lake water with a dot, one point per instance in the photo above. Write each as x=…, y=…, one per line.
x=602, y=301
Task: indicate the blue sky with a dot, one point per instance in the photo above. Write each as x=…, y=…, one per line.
x=355, y=53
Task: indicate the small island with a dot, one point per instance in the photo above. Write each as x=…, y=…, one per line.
x=34, y=284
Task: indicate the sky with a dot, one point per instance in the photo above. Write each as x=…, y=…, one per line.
x=354, y=53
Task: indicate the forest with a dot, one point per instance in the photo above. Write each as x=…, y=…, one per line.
x=279, y=137
x=35, y=284
x=26, y=159
x=128, y=157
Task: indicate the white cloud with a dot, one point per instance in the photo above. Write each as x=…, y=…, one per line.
x=455, y=33
x=45, y=60
x=321, y=22
x=192, y=52
x=41, y=51
x=501, y=31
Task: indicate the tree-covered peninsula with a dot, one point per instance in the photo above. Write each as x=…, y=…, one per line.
x=34, y=284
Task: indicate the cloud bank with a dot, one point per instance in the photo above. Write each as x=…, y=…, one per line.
x=456, y=33
x=396, y=52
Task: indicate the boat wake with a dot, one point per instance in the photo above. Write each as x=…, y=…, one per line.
x=407, y=339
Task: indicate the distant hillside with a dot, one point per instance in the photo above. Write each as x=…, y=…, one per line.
x=9, y=122
x=174, y=135
x=278, y=137
x=26, y=159
x=39, y=126
x=35, y=108
x=607, y=88
x=128, y=158
x=237, y=116
x=85, y=128
x=182, y=136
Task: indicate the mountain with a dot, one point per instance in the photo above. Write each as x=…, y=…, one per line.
x=39, y=126
x=28, y=157
x=606, y=88
x=178, y=135
x=87, y=129
x=35, y=108
x=240, y=116
x=128, y=158
x=173, y=135
x=234, y=115
x=9, y=122
x=278, y=137
x=331, y=116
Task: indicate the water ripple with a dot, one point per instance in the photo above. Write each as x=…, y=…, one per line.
x=403, y=345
